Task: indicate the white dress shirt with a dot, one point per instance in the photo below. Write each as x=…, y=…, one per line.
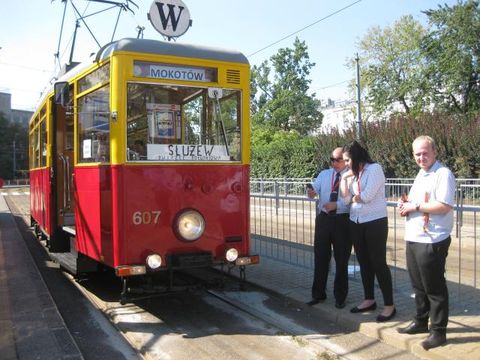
x=438, y=184
x=323, y=186
x=370, y=185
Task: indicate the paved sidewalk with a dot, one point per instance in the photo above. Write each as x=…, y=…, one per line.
x=30, y=325
x=463, y=335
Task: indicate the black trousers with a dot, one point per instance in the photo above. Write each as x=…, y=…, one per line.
x=331, y=231
x=426, y=267
x=370, y=243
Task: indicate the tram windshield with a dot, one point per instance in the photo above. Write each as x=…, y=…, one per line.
x=175, y=123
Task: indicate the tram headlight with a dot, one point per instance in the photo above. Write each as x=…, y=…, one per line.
x=154, y=261
x=190, y=225
x=231, y=254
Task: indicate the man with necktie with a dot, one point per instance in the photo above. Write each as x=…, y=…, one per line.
x=331, y=232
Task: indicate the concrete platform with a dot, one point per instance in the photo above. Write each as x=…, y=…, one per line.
x=463, y=334
x=30, y=324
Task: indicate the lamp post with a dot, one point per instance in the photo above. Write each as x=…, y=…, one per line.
x=359, y=108
x=14, y=157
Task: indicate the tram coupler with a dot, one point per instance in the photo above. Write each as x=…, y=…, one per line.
x=243, y=277
x=123, y=294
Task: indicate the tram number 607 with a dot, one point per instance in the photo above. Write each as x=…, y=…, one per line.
x=146, y=217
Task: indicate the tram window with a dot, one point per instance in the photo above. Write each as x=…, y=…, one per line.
x=183, y=124
x=33, y=142
x=36, y=148
x=96, y=77
x=94, y=126
x=69, y=125
x=43, y=143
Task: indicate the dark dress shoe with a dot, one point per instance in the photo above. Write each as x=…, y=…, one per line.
x=356, y=309
x=315, y=301
x=414, y=328
x=383, y=318
x=339, y=305
x=434, y=340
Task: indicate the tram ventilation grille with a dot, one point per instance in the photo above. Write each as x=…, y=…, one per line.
x=233, y=76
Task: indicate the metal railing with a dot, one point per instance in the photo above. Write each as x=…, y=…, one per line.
x=394, y=187
x=282, y=222
x=16, y=182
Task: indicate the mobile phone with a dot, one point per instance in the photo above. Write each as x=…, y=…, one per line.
x=333, y=196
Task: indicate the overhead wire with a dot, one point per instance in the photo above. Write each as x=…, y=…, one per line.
x=305, y=27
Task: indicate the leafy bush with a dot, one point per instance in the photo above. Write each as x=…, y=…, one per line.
x=282, y=154
x=457, y=137
x=287, y=154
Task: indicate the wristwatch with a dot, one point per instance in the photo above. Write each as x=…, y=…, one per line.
x=417, y=206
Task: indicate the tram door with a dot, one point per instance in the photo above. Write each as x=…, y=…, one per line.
x=62, y=167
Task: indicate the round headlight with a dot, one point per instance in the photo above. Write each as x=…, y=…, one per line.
x=190, y=225
x=231, y=254
x=154, y=261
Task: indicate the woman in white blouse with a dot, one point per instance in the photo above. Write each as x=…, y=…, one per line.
x=363, y=186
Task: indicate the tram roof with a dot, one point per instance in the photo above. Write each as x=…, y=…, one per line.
x=157, y=47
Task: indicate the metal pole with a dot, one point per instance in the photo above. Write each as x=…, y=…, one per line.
x=14, y=159
x=77, y=25
x=359, y=112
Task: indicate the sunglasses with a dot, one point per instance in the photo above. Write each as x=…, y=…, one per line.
x=336, y=159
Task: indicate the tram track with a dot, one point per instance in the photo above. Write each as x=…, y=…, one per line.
x=155, y=316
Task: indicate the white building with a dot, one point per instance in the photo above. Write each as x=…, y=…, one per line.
x=15, y=116
x=337, y=115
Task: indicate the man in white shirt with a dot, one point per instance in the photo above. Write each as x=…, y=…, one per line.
x=429, y=222
x=331, y=231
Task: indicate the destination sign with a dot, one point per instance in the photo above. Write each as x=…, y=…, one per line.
x=174, y=72
x=181, y=152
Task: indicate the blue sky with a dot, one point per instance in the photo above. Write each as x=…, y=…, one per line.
x=29, y=35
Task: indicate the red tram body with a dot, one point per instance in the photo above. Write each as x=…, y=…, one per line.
x=182, y=202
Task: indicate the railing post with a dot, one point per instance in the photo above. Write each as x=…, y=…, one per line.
x=459, y=223
x=277, y=196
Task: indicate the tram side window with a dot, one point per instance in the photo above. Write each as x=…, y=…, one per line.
x=43, y=143
x=96, y=77
x=33, y=148
x=174, y=123
x=37, y=147
x=94, y=126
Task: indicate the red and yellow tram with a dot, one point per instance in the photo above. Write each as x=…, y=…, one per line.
x=139, y=159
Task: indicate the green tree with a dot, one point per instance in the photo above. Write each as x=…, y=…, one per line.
x=453, y=52
x=279, y=92
x=282, y=154
x=392, y=66
x=10, y=134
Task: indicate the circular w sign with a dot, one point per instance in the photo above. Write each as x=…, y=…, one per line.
x=170, y=18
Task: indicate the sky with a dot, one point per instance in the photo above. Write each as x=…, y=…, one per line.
x=30, y=35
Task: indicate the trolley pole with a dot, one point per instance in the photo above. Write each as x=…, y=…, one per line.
x=359, y=112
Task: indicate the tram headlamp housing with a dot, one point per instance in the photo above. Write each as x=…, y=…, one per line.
x=154, y=261
x=189, y=225
x=231, y=255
